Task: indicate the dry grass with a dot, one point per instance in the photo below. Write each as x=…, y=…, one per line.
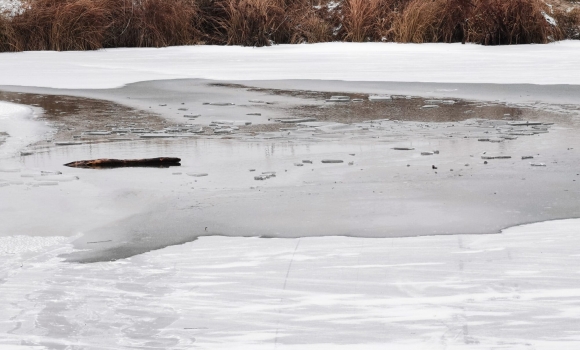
x=94, y=24
x=499, y=22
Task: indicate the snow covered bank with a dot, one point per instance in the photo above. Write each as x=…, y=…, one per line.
x=534, y=64
x=516, y=290
x=17, y=121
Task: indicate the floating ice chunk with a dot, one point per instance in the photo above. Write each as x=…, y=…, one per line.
x=253, y=113
x=182, y=109
x=57, y=178
x=495, y=157
x=338, y=99
x=298, y=164
x=219, y=103
x=429, y=106
x=26, y=153
x=295, y=120
x=256, y=101
x=527, y=157
x=97, y=133
x=403, y=148
x=197, y=174
x=67, y=143
x=379, y=98
x=192, y=116
x=307, y=161
x=537, y=164
x=47, y=183
x=326, y=161
x=525, y=123
x=427, y=153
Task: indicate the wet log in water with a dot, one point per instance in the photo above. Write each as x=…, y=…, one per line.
x=161, y=162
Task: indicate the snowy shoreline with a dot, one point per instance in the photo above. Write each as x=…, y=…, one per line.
x=554, y=63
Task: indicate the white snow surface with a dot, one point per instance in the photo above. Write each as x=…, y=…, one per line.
x=555, y=63
x=515, y=290
x=18, y=121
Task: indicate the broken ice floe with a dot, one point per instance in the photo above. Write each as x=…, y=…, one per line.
x=219, y=103
x=67, y=143
x=338, y=99
x=379, y=98
x=495, y=157
x=197, y=174
x=328, y=161
x=295, y=120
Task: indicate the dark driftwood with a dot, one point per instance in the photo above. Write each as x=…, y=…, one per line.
x=162, y=162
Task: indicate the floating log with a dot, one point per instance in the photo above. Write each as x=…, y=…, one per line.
x=161, y=162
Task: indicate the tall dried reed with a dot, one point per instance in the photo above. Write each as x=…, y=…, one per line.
x=93, y=24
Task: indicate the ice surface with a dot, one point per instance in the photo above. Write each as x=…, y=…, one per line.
x=554, y=63
x=515, y=290
x=17, y=121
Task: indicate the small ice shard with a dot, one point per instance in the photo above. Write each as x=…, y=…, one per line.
x=261, y=177
x=162, y=105
x=26, y=153
x=350, y=163
x=357, y=100
x=431, y=102
x=295, y=120
x=256, y=101
x=50, y=172
x=67, y=143
x=307, y=161
x=327, y=161
x=436, y=152
x=429, y=106
x=253, y=113
x=537, y=164
x=271, y=173
x=192, y=115
x=403, y=148
x=221, y=104
x=176, y=173
x=524, y=123
x=223, y=131
x=483, y=140
x=197, y=174
x=495, y=157
x=252, y=169
x=338, y=99
x=379, y=98
x=47, y=183
x=182, y=109
x=527, y=157
x=298, y=164
x=427, y=153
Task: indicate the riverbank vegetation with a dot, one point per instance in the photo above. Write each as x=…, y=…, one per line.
x=94, y=24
